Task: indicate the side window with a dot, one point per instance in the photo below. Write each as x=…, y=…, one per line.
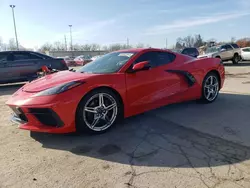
x=21, y=56
x=186, y=51
x=223, y=47
x=165, y=58
x=152, y=57
x=3, y=57
x=246, y=50
x=235, y=45
x=34, y=56
x=229, y=47
x=190, y=51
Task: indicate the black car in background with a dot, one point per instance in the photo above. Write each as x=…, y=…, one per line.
x=17, y=66
x=193, y=52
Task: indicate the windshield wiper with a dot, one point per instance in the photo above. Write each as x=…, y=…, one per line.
x=72, y=70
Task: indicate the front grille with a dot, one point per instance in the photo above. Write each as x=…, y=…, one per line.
x=19, y=113
x=46, y=116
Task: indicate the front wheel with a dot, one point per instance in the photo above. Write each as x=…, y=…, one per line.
x=98, y=111
x=210, y=88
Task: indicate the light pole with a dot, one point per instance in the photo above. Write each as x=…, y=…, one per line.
x=127, y=42
x=12, y=7
x=70, y=26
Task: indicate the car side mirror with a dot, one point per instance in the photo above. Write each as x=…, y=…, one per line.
x=144, y=65
x=223, y=50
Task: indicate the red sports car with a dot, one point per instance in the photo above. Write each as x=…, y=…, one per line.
x=119, y=84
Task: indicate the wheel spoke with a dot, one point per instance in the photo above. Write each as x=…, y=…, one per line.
x=90, y=109
x=96, y=120
x=101, y=101
x=208, y=95
x=211, y=80
x=110, y=107
x=106, y=119
x=206, y=86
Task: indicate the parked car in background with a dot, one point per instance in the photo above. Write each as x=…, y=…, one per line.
x=245, y=53
x=82, y=59
x=193, y=52
x=18, y=66
x=95, y=57
x=225, y=52
x=70, y=61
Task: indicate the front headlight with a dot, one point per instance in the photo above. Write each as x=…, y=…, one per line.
x=59, y=89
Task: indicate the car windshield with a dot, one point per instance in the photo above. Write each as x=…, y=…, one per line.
x=109, y=63
x=212, y=49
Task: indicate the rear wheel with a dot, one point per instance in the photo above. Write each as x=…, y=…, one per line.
x=98, y=111
x=210, y=88
x=236, y=59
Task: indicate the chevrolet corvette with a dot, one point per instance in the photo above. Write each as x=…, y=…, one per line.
x=115, y=86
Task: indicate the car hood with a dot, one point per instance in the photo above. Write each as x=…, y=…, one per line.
x=207, y=55
x=53, y=80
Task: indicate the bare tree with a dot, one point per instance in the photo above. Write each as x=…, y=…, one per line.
x=1, y=44
x=45, y=47
x=105, y=48
x=11, y=45
x=140, y=45
x=198, y=41
x=86, y=47
x=58, y=46
x=189, y=41
x=95, y=47
x=77, y=47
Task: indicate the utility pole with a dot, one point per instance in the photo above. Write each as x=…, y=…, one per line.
x=13, y=14
x=70, y=26
x=166, y=43
x=127, y=42
x=65, y=41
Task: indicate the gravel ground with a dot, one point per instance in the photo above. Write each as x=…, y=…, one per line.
x=183, y=145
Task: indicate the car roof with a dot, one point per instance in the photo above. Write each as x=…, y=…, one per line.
x=18, y=51
x=136, y=50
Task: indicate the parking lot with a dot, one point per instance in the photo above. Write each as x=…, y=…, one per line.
x=182, y=145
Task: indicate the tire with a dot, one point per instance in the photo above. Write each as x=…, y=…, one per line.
x=207, y=88
x=90, y=111
x=236, y=59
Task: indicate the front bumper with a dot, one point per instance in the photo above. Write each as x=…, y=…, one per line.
x=51, y=114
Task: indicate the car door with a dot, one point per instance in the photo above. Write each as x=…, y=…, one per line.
x=245, y=53
x=151, y=88
x=5, y=71
x=24, y=65
x=230, y=51
x=223, y=54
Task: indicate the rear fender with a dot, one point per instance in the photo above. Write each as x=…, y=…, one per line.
x=198, y=68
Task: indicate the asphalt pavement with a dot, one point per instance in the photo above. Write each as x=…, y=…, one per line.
x=186, y=145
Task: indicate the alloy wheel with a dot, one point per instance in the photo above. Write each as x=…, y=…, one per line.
x=211, y=88
x=100, y=112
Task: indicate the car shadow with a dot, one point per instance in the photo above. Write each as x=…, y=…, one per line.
x=181, y=135
x=9, y=89
x=240, y=64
